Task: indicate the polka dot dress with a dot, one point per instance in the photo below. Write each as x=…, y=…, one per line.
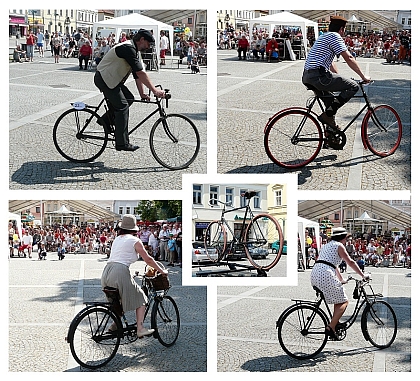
x=324, y=276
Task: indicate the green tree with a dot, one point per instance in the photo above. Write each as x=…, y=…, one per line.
x=169, y=208
x=147, y=210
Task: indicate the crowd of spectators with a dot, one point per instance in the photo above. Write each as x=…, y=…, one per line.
x=394, y=47
x=40, y=242
x=367, y=249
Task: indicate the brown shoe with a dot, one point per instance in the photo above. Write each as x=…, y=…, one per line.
x=329, y=120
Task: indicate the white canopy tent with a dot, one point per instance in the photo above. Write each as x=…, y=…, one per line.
x=136, y=21
x=63, y=212
x=16, y=217
x=284, y=19
x=303, y=223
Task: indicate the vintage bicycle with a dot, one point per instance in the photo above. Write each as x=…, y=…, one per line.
x=301, y=327
x=93, y=344
x=254, y=237
x=293, y=137
x=81, y=135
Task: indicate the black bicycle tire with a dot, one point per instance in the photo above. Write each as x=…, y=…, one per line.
x=73, y=328
x=270, y=126
x=154, y=321
x=365, y=328
x=159, y=159
x=282, y=342
x=280, y=239
x=62, y=152
x=223, y=250
x=369, y=144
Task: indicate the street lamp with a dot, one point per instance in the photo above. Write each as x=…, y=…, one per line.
x=67, y=23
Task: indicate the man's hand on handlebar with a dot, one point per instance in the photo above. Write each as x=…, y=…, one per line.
x=159, y=93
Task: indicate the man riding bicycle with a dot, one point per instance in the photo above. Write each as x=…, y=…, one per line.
x=111, y=74
x=321, y=73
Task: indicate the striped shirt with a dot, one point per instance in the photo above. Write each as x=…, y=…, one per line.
x=326, y=47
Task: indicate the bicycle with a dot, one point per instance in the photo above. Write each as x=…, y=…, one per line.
x=301, y=327
x=93, y=344
x=254, y=238
x=293, y=137
x=80, y=135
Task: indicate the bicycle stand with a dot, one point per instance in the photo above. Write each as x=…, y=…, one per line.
x=232, y=269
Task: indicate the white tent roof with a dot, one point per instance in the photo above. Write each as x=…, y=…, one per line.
x=284, y=19
x=62, y=210
x=135, y=21
x=16, y=217
x=303, y=223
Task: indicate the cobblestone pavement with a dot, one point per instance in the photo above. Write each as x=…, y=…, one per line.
x=44, y=296
x=247, y=335
x=249, y=92
x=41, y=91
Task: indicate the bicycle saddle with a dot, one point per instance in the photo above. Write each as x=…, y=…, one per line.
x=318, y=291
x=250, y=194
x=320, y=93
x=111, y=292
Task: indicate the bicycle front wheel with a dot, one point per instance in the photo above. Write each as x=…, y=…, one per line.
x=174, y=141
x=91, y=344
x=78, y=137
x=215, y=241
x=261, y=233
x=165, y=320
x=382, y=129
x=293, y=139
x=301, y=332
x=379, y=324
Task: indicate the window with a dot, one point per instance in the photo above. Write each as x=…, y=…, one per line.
x=128, y=209
x=243, y=200
x=336, y=216
x=197, y=190
x=229, y=196
x=214, y=195
x=120, y=210
x=277, y=197
x=257, y=200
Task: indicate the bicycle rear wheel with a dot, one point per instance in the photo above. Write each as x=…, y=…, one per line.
x=379, y=324
x=215, y=241
x=382, y=130
x=78, y=137
x=174, y=141
x=301, y=331
x=260, y=233
x=165, y=320
x=293, y=139
x=91, y=344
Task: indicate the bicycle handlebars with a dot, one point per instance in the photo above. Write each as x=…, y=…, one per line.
x=214, y=200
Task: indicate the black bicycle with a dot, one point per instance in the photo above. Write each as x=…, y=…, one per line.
x=100, y=328
x=301, y=327
x=255, y=237
x=293, y=137
x=81, y=135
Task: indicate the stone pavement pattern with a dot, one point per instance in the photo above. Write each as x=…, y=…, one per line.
x=41, y=91
x=43, y=299
x=250, y=92
x=247, y=334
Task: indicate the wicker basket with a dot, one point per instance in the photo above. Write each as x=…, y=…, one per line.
x=159, y=282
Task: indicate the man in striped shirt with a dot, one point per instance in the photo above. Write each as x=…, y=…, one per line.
x=321, y=73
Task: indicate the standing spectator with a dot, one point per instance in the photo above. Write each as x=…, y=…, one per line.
x=85, y=53
x=163, y=243
x=164, y=46
x=154, y=244
x=40, y=42
x=144, y=235
x=243, y=47
x=30, y=43
x=56, y=43
x=171, y=250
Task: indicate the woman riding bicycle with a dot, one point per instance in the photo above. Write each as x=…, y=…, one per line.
x=125, y=250
x=321, y=73
x=327, y=278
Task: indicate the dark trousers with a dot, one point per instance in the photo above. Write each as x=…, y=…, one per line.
x=121, y=99
x=243, y=50
x=84, y=59
x=324, y=80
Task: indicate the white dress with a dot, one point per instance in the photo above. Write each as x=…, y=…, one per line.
x=324, y=276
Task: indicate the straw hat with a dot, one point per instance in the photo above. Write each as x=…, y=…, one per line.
x=338, y=231
x=128, y=222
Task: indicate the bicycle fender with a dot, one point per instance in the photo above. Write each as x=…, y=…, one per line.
x=364, y=122
x=363, y=321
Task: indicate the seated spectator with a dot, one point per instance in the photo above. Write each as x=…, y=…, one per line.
x=85, y=53
x=72, y=47
x=19, y=55
x=65, y=48
x=103, y=49
x=202, y=54
x=272, y=49
x=243, y=46
x=260, y=45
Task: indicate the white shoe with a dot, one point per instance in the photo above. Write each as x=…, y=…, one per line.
x=145, y=332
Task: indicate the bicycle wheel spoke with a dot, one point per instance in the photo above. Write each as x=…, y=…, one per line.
x=293, y=139
x=301, y=332
x=383, y=130
x=174, y=141
x=165, y=320
x=92, y=345
x=260, y=234
x=78, y=137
